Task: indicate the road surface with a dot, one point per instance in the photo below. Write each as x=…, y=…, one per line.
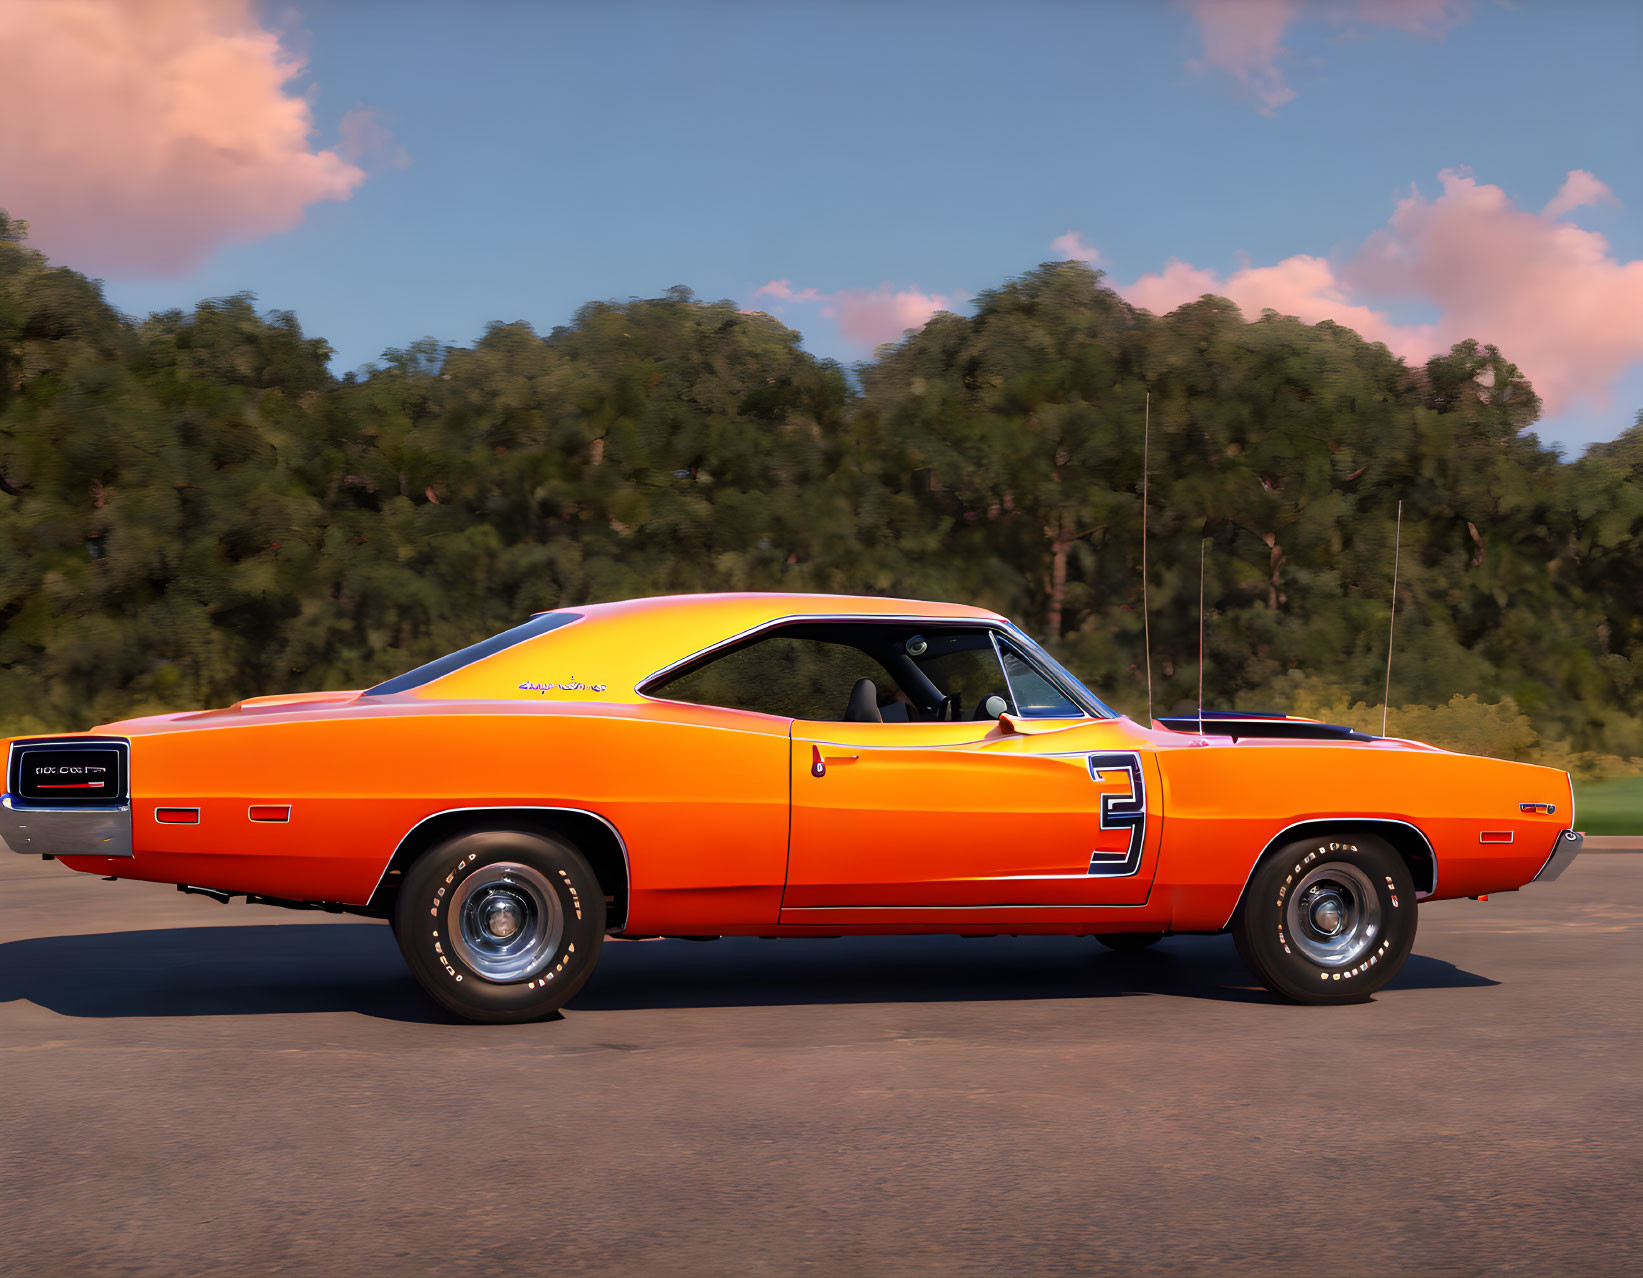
x=190, y=1087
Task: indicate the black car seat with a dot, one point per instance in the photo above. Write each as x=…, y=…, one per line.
x=864, y=703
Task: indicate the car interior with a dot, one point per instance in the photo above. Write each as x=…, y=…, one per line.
x=871, y=672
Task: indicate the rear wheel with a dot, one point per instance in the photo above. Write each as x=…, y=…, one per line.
x=1129, y=942
x=1328, y=920
x=501, y=925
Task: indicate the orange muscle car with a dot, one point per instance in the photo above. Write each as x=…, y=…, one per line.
x=785, y=765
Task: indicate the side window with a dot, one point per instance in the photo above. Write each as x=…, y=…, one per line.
x=1036, y=696
x=962, y=665
x=787, y=676
x=920, y=674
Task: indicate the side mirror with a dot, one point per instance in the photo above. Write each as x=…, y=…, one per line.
x=994, y=707
x=1008, y=722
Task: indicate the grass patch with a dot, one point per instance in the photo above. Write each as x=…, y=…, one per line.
x=1614, y=806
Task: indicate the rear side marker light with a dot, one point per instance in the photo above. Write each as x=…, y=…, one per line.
x=270, y=812
x=177, y=816
x=1495, y=836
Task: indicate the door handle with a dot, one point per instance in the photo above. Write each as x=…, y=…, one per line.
x=819, y=761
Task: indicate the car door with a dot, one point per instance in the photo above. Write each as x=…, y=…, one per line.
x=968, y=815
x=1044, y=806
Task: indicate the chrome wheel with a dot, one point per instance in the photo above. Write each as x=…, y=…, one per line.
x=505, y=921
x=1333, y=915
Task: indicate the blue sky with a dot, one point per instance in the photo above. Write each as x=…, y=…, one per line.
x=558, y=153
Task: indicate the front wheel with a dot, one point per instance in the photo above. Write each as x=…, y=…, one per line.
x=1327, y=920
x=501, y=925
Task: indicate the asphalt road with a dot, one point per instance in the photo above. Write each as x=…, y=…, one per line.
x=189, y=1087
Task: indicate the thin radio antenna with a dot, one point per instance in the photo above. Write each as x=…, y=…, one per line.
x=1202, y=546
x=1146, y=618
x=1392, y=626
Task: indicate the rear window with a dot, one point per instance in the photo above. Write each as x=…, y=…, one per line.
x=535, y=627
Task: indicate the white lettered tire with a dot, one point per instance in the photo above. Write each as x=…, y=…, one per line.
x=501, y=925
x=1328, y=920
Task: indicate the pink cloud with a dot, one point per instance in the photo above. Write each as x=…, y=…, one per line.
x=1302, y=286
x=783, y=291
x=1176, y=285
x=1552, y=296
x=883, y=314
x=1071, y=246
x=1419, y=17
x=867, y=317
x=1244, y=38
x=1579, y=189
x=142, y=136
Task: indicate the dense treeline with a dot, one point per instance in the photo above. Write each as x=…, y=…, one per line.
x=193, y=509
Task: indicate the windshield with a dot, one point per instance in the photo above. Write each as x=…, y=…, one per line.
x=1091, y=703
x=537, y=625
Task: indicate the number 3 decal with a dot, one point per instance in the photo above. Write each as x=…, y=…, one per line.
x=1121, y=812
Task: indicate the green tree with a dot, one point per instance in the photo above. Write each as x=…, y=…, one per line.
x=193, y=509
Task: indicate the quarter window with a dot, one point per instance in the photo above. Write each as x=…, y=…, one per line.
x=786, y=675
x=539, y=625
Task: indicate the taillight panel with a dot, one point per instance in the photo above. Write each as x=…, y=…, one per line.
x=77, y=773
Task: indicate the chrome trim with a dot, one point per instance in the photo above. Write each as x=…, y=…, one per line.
x=1003, y=669
x=627, y=865
x=80, y=831
x=526, y=900
x=955, y=747
x=950, y=909
x=1333, y=915
x=797, y=618
x=1039, y=878
x=1336, y=820
x=1051, y=669
x=1565, y=848
x=123, y=744
x=580, y=616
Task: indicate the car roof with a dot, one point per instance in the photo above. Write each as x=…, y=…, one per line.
x=614, y=647
x=756, y=607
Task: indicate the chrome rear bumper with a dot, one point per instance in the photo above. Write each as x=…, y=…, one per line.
x=1566, y=849
x=84, y=831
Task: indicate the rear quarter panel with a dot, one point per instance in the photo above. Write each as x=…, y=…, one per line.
x=698, y=798
x=1226, y=804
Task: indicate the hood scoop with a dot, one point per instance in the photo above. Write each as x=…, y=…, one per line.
x=1238, y=724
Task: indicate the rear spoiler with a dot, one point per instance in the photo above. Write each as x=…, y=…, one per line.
x=1236, y=724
